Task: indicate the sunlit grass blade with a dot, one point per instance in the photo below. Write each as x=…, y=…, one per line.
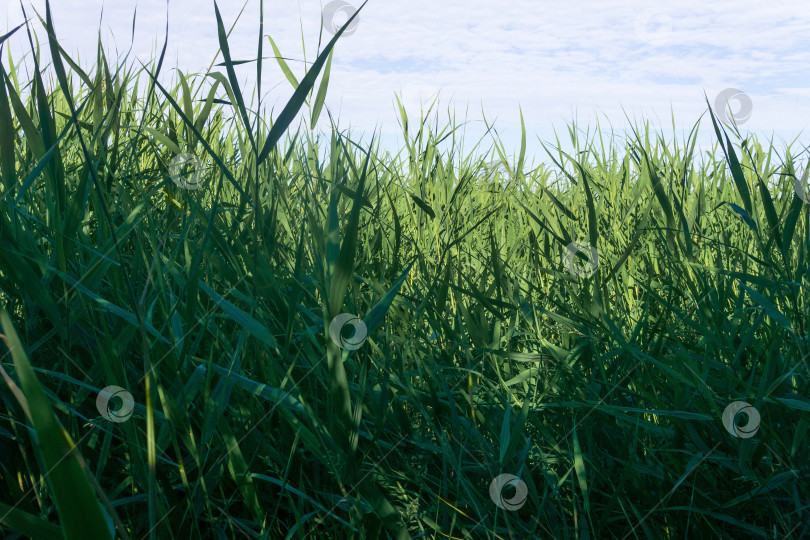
x=283, y=65
x=320, y=97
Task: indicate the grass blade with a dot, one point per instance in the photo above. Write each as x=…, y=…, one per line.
x=297, y=100
x=283, y=65
x=321, y=96
x=79, y=509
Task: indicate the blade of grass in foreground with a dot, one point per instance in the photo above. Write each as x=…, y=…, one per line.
x=79, y=509
x=734, y=165
x=7, y=160
x=321, y=95
x=28, y=524
x=8, y=35
x=237, y=92
x=297, y=100
x=283, y=64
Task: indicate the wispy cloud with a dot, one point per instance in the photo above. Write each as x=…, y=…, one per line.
x=581, y=59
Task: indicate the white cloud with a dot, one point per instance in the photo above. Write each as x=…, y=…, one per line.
x=586, y=59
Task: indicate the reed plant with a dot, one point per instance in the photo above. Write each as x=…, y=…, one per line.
x=258, y=341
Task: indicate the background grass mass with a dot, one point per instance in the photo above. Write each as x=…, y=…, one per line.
x=483, y=356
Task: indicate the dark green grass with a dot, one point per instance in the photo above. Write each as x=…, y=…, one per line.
x=484, y=355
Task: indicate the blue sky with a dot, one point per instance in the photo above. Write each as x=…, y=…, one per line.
x=577, y=60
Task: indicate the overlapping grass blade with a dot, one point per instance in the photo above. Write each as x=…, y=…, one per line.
x=297, y=100
x=79, y=509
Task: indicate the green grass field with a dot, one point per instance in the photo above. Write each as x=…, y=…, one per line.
x=263, y=343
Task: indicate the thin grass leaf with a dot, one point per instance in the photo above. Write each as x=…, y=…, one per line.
x=321, y=95
x=9, y=34
x=7, y=137
x=297, y=100
x=226, y=53
x=772, y=311
x=283, y=65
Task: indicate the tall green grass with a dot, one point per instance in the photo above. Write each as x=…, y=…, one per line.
x=483, y=354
